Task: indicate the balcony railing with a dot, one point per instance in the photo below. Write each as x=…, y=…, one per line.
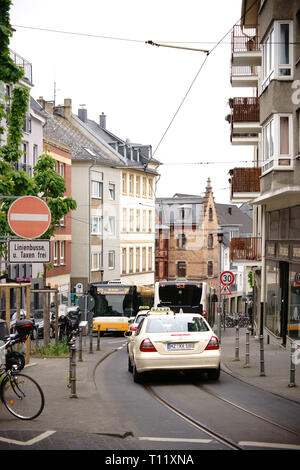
x=244, y=109
x=245, y=180
x=27, y=66
x=245, y=249
x=245, y=38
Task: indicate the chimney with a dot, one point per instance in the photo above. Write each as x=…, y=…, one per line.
x=67, y=108
x=47, y=105
x=82, y=113
x=102, y=121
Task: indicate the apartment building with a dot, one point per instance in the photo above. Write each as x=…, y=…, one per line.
x=266, y=57
x=32, y=147
x=59, y=276
x=138, y=172
x=187, y=245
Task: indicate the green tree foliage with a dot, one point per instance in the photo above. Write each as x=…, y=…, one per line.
x=46, y=182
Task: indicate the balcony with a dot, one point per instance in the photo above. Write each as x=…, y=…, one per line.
x=27, y=67
x=245, y=184
x=244, y=76
x=244, y=120
x=246, y=250
x=245, y=47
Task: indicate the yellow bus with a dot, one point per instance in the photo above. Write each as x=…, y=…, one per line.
x=115, y=304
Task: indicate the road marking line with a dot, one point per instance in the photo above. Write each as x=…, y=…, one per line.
x=36, y=439
x=175, y=439
x=269, y=444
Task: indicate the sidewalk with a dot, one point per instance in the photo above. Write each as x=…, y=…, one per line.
x=277, y=363
x=86, y=413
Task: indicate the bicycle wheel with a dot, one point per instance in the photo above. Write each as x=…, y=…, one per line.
x=22, y=396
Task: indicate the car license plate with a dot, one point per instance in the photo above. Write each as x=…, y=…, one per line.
x=180, y=346
x=111, y=329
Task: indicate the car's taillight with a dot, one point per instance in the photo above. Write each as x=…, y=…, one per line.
x=213, y=343
x=204, y=313
x=147, y=346
x=133, y=328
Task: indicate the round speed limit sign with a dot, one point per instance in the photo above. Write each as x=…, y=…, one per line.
x=227, y=278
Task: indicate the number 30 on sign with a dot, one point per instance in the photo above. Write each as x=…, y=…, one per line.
x=227, y=278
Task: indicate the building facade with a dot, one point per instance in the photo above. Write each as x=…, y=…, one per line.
x=266, y=44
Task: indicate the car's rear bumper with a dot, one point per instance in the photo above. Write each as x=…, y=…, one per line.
x=153, y=361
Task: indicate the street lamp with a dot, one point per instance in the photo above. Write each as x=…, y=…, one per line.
x=220, y=240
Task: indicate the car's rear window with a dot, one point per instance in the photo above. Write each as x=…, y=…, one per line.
x=176, y=324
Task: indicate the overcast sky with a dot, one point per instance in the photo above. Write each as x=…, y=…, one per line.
x=138, y=86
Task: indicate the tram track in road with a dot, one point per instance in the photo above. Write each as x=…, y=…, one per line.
x=239, y=407
x=201, y=427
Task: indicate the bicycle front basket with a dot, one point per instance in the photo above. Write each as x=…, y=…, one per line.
x=3, y=330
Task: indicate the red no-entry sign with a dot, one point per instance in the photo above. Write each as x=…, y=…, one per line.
x=29, y=217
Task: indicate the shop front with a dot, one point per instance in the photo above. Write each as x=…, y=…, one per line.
x=282, y=274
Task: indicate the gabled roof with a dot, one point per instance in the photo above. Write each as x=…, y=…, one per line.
x=130, y=150
x=231, y=215
x=81, y=147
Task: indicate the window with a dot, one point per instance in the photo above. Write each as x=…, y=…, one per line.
x=138, y=220
x=210, y=214
x=124, y=228
x=124, y=259
x=138, y=185
x=124, y=183
x=55, y=253
x=181, y=241
x=62, y=252
x=137, y=259
x=131, y=260
x=35, y=154
x=111, y=259
x=144, y=222
x=150, y=258
x=131, y=185
x=210, y=241
x=277, y=143
x=62, y=169
x=96, y=261
x=277, y=61
x=97, y=189
x=210, y=269
x=181, y=269
x=150, y=221
x=97, y=225
x=150, y=188
x=131, y=220
x=144, y=259
x=144, y=186
x=112, y=225
x=112, y=191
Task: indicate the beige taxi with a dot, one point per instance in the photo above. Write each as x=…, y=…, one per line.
x=165, y=340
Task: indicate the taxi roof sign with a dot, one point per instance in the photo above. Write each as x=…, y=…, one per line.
x=160, y=310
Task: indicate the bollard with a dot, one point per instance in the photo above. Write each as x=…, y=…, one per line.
x=262, y=361
x=80, y=345
x=91, y=342
x=237, y=343
x=247, y=364
x=73, y=370
x=219, y=326
x=98, y=339
x=293, y=365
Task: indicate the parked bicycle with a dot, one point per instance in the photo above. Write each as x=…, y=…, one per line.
x=21, y=395
x=233, y=320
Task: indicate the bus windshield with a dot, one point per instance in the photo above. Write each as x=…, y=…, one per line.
x=121, y=302
x=180, y=295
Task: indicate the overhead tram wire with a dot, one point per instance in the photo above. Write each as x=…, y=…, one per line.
x=193, y=82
